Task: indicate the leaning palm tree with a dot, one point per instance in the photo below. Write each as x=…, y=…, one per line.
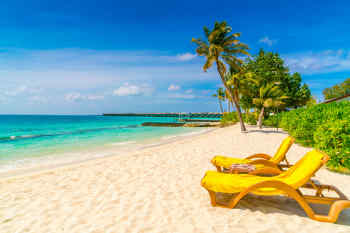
x=220, y=95
x=228, y=99
x=270, y=96
x=236, y=80
x=222, y=47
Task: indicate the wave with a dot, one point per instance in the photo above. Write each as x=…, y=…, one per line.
x=122, y=143
x=184, y=134
x=81, y=131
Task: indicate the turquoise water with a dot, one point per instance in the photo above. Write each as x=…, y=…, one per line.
x=33, y=136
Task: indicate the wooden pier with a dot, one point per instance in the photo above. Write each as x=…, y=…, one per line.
x=183, y=124
x=179, y=115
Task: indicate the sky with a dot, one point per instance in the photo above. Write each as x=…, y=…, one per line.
x=93, y=57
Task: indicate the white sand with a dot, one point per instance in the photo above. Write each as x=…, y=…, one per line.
x=157, y=190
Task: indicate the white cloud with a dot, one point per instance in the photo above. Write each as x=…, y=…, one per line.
x=186, y=56
x=25, y=92
x=173, y=87
x=76, y=96
x=267, y=40
x=72, y=97
x=87, y=75
x=87, y=58
x=133, y=90
x=320, y=62
x=181, y=96
x=189, y=91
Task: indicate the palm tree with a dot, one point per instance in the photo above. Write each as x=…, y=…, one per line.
x=222, y=47
x=235, y=80
x=229, y=100
x=220, y=95
x=270, y=95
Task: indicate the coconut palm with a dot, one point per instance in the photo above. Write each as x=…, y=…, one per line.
x=228, y=99
x=270, y=96
x=222, y=47
x=235, y=80
x=221, y=96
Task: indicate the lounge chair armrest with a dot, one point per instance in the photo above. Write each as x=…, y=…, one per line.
x=266, y=171
x=264, y=162
x=259, y=156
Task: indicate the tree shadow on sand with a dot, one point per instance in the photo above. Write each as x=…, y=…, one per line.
x=267, y=131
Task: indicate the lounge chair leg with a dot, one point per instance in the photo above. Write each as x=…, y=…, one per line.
x=333, y=214
x=212, y=197
x=320, y=187
x=218, y=168
x=336, y=207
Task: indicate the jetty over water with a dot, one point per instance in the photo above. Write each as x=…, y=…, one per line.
x=180, y=115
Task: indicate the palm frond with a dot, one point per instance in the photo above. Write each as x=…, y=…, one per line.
x=206, y=31
x=208, y=63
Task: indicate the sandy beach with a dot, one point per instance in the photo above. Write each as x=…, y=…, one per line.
x=158, y=189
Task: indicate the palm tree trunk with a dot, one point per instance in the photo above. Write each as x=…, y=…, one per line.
x=243, y=129
x=220, y=104
x=261, y=117
x=238, y=108
x=228, y=105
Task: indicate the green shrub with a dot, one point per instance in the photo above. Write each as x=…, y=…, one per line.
x=229, y=118
x=232, y=118
x=249, y=118
x=273, y=120
x=323, y=126
x=333, y=137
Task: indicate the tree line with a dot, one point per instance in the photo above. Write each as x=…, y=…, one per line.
x=261, y=83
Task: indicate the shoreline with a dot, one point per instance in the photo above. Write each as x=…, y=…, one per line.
x=157, y=189
x=139, y=147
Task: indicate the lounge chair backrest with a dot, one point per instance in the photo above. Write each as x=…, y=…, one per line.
x=304, y=169
x=282, y=150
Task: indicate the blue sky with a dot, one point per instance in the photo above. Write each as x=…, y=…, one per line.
x=88, y=57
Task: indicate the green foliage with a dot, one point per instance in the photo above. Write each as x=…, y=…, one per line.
x=229, y=118
x=274, y=120
x=232, y=118
x=338, y=90
x=220, y=94
x=311, y=102
x=298, y=94
x=223, y=48
x=333, y=137
x=269, y=68
x=322, y=126
x=249, y=118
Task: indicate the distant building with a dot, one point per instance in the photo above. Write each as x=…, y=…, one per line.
x=338, y=99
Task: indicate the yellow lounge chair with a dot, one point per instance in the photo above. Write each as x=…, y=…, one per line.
x=271, y=164
x=288, y=183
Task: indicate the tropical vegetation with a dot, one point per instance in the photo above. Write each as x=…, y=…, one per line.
x=322, y=126
x=264, y=85
x=223, y=48
x=265, y=89
x=220, y=95
x=270, y=88
x=338, y=90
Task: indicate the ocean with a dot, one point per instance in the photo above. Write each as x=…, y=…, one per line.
x=32, y=140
